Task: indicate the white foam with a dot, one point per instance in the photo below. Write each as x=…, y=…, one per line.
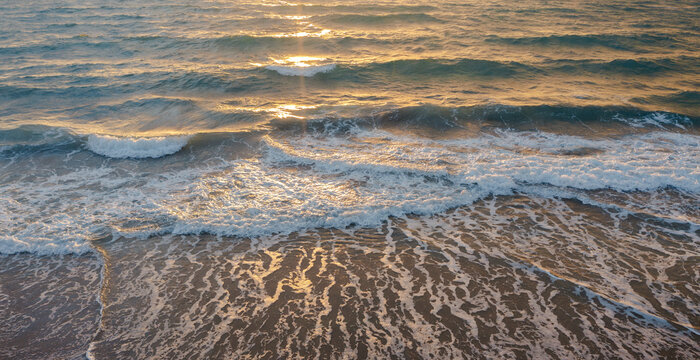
x=307, y=182
x=299, y=70
x=658, y=119
x=641, y=162
x=134, y=147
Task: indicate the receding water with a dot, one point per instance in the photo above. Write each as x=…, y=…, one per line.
x=474, y=179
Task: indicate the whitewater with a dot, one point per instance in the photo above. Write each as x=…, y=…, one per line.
x=358, y=177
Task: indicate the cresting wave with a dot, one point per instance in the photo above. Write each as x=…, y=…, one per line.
x=306, y=70
x=27, y=140
x=436, y=68
x=30, y=139
x=36, y=138
x=137, y=148
x=361, y=176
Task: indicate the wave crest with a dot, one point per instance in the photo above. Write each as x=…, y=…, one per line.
x=134, y=147
x=295, y=70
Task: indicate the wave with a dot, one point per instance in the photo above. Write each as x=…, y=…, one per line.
x=408, y=68
x=442, y=121
x=491, y=68
x=133, y=147
x=436, y=120
x=281, y=44
x=308, y=181
x=441, y=67
x=644, y=67
x=478, y=68
x=618, y=42
x=29, y=141
x=76, y=44
x=356, y=8
x=295, y=70
x=28, y=91
x=383, y=19
x=683, y=100
x=81, y=87
x=502, y=159
x=682, y=97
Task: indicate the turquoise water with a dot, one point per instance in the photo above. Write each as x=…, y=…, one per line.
x=444, y=147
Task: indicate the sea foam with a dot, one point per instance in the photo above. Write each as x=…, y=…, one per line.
x=296, y=70
x=306, y=181
x=134, y=147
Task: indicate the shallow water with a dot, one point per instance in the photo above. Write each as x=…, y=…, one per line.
x=345, y=179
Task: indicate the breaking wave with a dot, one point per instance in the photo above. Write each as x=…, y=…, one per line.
x=328, y=180
x=308, y=71
x=134, y=147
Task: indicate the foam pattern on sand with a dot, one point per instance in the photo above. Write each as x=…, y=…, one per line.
x=493, y=279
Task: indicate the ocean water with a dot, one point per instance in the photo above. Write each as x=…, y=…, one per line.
x=348, y=179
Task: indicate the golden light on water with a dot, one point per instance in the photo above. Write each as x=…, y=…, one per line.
x=297, y=17
x=302, y=34
x=302, y=61
x=283, y=111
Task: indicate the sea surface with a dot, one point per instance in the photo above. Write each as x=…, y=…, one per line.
x=347, y=179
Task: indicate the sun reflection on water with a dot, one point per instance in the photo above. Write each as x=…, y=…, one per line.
x=302, y=61
x=284, y=111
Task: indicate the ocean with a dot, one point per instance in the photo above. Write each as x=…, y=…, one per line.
x=347, y=179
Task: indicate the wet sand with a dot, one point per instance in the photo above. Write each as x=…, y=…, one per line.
x=509, y=277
